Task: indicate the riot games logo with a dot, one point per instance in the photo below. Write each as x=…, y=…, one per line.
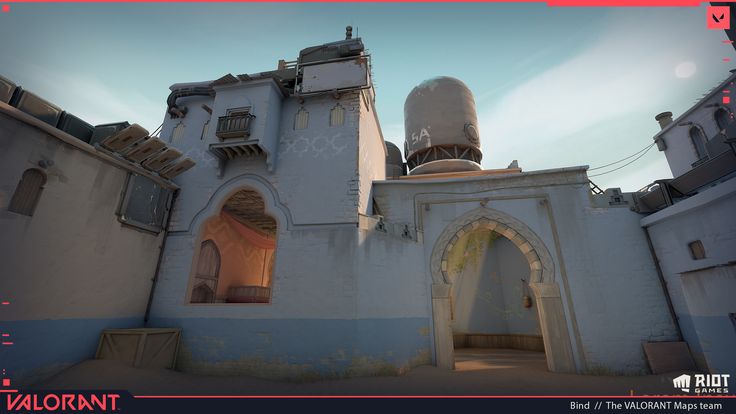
x=703, y=383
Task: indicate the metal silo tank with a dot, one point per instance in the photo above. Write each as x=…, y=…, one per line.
x=441, y=128
x=394, y=162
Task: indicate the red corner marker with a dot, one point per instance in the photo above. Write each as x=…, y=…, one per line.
x=718, y=17
x=6, y=8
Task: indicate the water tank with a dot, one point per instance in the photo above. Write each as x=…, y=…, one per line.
x=441, y=128
x=394, y=162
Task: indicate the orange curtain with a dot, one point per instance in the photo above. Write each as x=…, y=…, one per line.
x=252, y=236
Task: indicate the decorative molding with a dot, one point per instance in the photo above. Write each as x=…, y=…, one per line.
x=540, y=261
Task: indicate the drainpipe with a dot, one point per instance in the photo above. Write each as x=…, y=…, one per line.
x=663, y=283
x=160, y=257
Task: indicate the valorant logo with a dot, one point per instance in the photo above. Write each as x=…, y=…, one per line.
x=703, y=384
x=50, y=402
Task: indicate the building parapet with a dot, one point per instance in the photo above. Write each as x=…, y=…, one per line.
x=62, y=136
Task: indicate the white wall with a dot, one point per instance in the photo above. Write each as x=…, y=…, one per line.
x=71, y=269
x=680, y=150
x=708, y=217
x=612, y=297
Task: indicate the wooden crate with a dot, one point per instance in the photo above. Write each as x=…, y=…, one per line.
x=140, y=347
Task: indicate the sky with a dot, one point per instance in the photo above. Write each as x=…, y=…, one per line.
x=554, y=87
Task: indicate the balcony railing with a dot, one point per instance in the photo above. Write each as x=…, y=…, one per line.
x=234, y=126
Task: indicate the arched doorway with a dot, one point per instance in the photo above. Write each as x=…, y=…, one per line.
x=241, y=239
x=546, y=300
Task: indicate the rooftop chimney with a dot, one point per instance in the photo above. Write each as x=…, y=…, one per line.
x=664, y=119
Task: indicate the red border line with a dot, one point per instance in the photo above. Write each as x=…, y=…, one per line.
x=550, y=3
x=430, y=396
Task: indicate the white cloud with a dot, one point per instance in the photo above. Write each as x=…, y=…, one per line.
x=88, y=98
x=626, y=76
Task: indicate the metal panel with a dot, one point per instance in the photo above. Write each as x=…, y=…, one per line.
x=142, y=347
x=76, y=127
x=39, y=108
x=7, y=88
x=352, y=73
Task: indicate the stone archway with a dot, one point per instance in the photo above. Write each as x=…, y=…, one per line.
x=557, y=345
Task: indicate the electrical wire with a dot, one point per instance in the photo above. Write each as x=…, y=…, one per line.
x=624, y=159
x=628, y=163
x=156, y=130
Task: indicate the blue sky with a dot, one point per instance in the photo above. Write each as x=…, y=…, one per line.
x=554, y=87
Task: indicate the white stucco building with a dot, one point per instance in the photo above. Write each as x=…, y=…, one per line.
x=298, y=245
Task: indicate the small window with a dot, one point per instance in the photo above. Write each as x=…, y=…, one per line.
x=697, y=251
x=205, y=130
x=28, y=192
x=301, y=119
x=723, y=118
x=144, y=203
x=698, y=139
x=337, y=116
x=178, y=133
x=239, y=111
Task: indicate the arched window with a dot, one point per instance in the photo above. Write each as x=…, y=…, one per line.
x=208, y=273
x=27, y=192
x=178, y=132
x=205, y=130
x=301, y=119
x=723, y=118
x=337, y=116
x=247, y=236
x=698, y=139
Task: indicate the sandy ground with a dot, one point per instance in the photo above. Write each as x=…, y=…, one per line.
x=478, y=372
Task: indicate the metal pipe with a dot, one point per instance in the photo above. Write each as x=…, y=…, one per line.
x=160, y=257
x=184, y=92
x=663, y=283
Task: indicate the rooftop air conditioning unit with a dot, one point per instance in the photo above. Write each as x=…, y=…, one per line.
x=105, y=130
x=162, y=159
x=6, y=90
x=76, y=127
x=37, y=107
x=125, y=138
x=145, y=149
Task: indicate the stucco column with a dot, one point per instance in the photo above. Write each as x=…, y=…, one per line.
x=557, y=346
x=443, y=345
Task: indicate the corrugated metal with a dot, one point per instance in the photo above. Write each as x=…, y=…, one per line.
x=301, y=119
x=337, y=116
x=28, y=192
